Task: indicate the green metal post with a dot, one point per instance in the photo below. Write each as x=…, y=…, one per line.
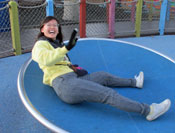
x=14, y=22
x=138, y=17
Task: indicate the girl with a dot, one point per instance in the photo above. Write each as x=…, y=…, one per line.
x=74, y=85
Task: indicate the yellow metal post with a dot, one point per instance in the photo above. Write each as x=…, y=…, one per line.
x=14, y=22
x=138, y=17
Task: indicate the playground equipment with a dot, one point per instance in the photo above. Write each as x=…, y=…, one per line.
x=154, y=6
x=171, y=9
x=105, y=55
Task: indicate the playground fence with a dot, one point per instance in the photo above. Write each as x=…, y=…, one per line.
x=93, y=18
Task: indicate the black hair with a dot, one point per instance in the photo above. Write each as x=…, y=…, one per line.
x=46, y=20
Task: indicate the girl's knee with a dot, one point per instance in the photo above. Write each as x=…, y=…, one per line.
x=102, y=73
x=70, y=100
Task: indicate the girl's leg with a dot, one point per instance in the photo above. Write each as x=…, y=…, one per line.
x=74, y=90
x=110, y=80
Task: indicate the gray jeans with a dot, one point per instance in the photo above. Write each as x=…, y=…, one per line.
x=95, y=87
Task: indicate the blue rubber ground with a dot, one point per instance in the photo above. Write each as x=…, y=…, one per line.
x=119, y=59
x=123, y=60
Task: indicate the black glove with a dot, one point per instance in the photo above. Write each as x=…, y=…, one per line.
x=73, y=39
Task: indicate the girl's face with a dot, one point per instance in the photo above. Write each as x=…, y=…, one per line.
x=50, y=29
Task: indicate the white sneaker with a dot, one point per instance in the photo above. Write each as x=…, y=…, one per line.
x=157, y=110
x=139, y=80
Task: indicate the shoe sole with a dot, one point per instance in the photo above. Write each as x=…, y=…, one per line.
x=142, y=78
x=161, y=113
x=141, y=73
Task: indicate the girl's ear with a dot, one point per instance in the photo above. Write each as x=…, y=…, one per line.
x=42, y=29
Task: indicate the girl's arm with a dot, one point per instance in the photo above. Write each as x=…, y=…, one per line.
x=44, y=54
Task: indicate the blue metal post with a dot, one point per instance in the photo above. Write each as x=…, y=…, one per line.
x=163, y=17
x=49, y=8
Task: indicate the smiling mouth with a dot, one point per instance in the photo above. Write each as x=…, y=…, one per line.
x=51, y=32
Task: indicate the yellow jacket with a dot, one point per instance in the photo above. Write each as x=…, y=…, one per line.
x=53, y=61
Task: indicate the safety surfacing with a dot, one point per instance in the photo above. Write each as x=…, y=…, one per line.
x=118, y=58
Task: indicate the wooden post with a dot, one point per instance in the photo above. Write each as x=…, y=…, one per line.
x=112, y=19
x=83, y=19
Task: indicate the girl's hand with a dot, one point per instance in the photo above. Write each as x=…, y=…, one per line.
x=73, y=40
